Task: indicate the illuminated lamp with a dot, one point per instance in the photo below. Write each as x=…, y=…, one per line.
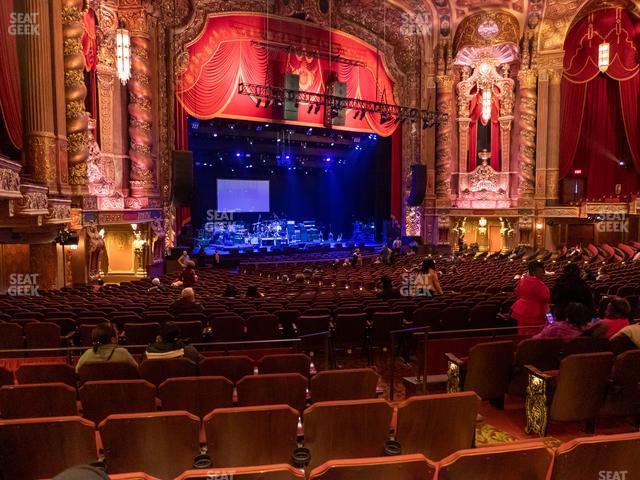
x=123, y=55
x=603, y=56
x=486, y=105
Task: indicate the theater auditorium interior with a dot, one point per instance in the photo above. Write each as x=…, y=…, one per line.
x=320, y=239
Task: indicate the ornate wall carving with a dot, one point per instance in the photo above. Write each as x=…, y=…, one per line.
x=527, y=125
x=75, y=92
x=444, y=136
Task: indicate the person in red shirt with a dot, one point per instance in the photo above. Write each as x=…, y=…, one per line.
x=188, y=276
x=533, y=295
x=616, y=316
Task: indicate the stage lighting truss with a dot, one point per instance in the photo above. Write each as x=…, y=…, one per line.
x=387, y=112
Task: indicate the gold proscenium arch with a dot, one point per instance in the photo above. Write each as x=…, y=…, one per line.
x=469, y=33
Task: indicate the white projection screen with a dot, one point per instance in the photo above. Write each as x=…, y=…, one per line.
x=243, y=195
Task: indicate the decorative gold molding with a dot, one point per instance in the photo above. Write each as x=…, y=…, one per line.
x=506, y=29
x=527, y=123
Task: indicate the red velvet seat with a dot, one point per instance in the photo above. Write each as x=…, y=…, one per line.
x=103, y=398
x=46, y=373
x=262, y=472
x=157, y=371
x=402, y=467
x=107, y=371
x=285, y=363
x=47, y=446
x=273, y=389
x=347, y=384
x=232, y=367
x=196, y=395
x=38, y=400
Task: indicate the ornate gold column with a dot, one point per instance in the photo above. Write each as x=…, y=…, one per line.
x=75, y=93
x=444, y=137
x=37, y=94
x=527, y=124
x=106, y=73
x=140, y=108
x=553, y=146
x=506, y=116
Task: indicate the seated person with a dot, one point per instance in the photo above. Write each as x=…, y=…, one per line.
x=156, y=286
x=186, y=303
x=188, y=277
x=230, y=291
x=616, y=316
x=387, y=289
x=105, y=347
x=169, y=345
x=252, y=292
x=629, y=335
x=578, y=317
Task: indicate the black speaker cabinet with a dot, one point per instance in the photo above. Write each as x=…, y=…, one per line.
x=182, y=178
x=418, y=185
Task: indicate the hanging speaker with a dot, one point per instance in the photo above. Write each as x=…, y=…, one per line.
x=335, y=114
x=182, y=178
x=291, y=84
x=418, y=185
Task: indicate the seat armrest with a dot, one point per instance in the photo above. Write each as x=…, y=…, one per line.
x=453, y=358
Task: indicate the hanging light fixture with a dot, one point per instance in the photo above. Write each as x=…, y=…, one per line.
x=603, y=56
x=486, y=105
x=123, y=54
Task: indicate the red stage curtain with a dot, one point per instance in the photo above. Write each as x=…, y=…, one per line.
x=10, y=95
x=590, y=97
x=89, y=49
x=224, y=55
x=396, y=174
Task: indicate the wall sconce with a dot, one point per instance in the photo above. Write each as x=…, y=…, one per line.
x=123, y=55
x=603, y=57
x=539, y=226
x=482, y=225
x=134, y=226
x=73, y=246
x=101, y=233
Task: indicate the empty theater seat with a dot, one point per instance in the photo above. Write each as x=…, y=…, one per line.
x=46, y=373
x=348, y=384
x=48, y=446
x=38, y=400
x=196, y=395
x=94, y=371
x=346, y=429
x=528, y=461
x=247, y=436
x=584, y=458
x=232, y=367
x=163, y=444
x=103, y=398
x=272, y=389
x=157, y=371
x=285, y=363
x=263, y=472
x=401, y=467
x=437, y=425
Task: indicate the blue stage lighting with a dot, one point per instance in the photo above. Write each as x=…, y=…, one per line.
x=238, y=154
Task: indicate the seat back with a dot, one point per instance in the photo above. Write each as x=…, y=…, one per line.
x=262, y=472
x=348, y=384
x=350, y=328
x=6, y=377
x=162, y=444
x=346, y=429
x=401, y=467
x=264, y=326
x=47, y=446
x=233, y=367
x=582, y=384
x=94, y=371
x=285, y=363
x=157, y=371
x=543, y=353
x=385, y=322
x=141, y=333
x=308, y=324
x=190, y=331
x=46, y=373
x=38, y=400
x=11, y=338
x=103, y=398
x=227, y=328
x=527, y=461
x=42, y=335
x=588, y=457
x=273, y=389
x=623, y=396
x=437, y=425
x=251, y=435
x=196, y=395
x=489, y=369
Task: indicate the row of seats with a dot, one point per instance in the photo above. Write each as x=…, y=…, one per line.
x=605, y=456
x=166, y=443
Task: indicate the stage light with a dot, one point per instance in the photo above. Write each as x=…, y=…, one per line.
x=279, y=140
x=317, y=109
x=332, y=144
x=309, y=131
x=577, y=171
x=195, y=124
x=266, y=125
x=327, y=159
x=238, y=154
x=258, y=102
x=362, y=114
x=309, y=108
x=355, y=114
x=287, y=157
x=197, y=164
x=267, y=103
x=215, y=135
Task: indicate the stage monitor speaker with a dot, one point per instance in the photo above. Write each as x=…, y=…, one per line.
x=418, y=185
x=182, y=178
x=335, y=114
x=291, y=82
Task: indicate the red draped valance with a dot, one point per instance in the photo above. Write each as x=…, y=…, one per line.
x=600, y=112
x=223, y=55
